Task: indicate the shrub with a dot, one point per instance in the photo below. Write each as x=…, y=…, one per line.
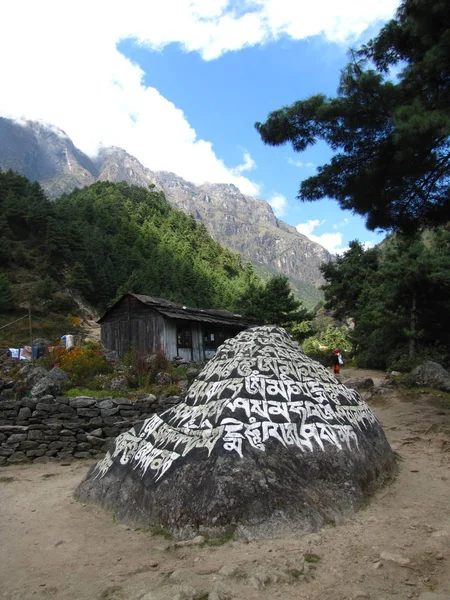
x=399, y=359
x=320, y=346
x=142, y=368
x=82, y=363
x=6, y=294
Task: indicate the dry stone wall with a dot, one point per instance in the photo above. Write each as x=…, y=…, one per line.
x=36, y=429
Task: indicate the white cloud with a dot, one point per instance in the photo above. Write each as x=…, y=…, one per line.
x=331, y=241
x=248, y=165
x=278, y=203
x=308, y=227
x=368, y=245
x=60, y=64
x=299, y=163
x=341, y=224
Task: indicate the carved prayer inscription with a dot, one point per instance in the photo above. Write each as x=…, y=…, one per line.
x=258, y=389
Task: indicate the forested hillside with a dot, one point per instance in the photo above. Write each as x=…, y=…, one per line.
x=236, y=221
x=399, y=298
x=107, y=239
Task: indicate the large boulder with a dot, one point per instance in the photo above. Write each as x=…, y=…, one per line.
x=51, y=383
x=430, y=374
x=266, y=442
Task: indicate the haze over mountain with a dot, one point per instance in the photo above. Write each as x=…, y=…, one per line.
x=242, y=223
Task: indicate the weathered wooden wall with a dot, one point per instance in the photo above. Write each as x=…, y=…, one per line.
x=132, y=325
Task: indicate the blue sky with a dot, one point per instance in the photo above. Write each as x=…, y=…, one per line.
x=180, y=86
x=222, y=99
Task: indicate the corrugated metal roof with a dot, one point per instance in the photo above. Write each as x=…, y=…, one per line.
x=180, y=311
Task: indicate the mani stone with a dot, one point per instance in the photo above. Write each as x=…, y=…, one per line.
x=266, y=443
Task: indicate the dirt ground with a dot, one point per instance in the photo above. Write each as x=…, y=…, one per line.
x=397, y=548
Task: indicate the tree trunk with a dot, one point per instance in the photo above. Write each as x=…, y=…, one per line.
x=413, y=327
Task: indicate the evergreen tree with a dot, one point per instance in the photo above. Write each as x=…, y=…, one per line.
x=346, y=277
x=6, y=294
x=273, y=303
x=391, y=139
x=401, y=306
x=78, y=280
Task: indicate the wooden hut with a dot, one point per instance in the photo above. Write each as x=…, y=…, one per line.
x=149, y=325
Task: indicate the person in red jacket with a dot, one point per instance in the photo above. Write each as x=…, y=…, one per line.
x=336, y=362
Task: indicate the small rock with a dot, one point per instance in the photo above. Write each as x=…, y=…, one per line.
x=360, y=595
x=214, y=595
x=231, y=570
x=197, y=541
x=180, y=575
x=262, y=577
x=118, y=383
x=433, y=596
x=97, y=433
x=360, y=384
x=17, y=457
x=313, y=537
x=440, y=533
x=187, y=593
x=396, y=558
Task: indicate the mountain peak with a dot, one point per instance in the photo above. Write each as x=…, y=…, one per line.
x=240, y=222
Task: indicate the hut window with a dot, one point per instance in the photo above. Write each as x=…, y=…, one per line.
x=212, y=338
x=184, y=339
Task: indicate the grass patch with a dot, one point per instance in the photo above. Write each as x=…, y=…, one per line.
x=377, y=400
x=50, y=327
x=7, y=479
x=441, y=400
x=295, y=573
x=74, y=392
x=161, y=532
x=311, y=558
x=112, y=593
x=219, y=540
x=435, y=397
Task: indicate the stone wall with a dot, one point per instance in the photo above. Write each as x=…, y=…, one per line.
x=38, y=429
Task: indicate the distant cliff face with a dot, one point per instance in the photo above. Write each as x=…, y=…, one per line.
x=44, y=154
x=242, y=223
x=247, y=225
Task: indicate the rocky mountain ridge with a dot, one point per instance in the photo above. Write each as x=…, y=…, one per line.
x=237, y=221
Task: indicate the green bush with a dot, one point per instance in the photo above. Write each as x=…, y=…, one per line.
x=82, y=363
x=320, y=346
x=6, y=294
x=399, y=360
x=141, y=369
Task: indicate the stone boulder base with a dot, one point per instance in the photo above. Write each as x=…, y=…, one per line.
x=267, y=442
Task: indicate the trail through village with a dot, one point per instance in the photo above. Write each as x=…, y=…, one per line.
x=397, y=548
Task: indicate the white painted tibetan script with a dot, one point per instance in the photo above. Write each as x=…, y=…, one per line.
x=259, y=389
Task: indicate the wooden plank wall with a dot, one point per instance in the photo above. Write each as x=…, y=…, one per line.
x=134, y=325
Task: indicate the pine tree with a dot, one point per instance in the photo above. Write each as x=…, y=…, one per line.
x=391, y=139
x=6, y=294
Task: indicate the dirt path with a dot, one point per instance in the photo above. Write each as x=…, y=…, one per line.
x=54, y=547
